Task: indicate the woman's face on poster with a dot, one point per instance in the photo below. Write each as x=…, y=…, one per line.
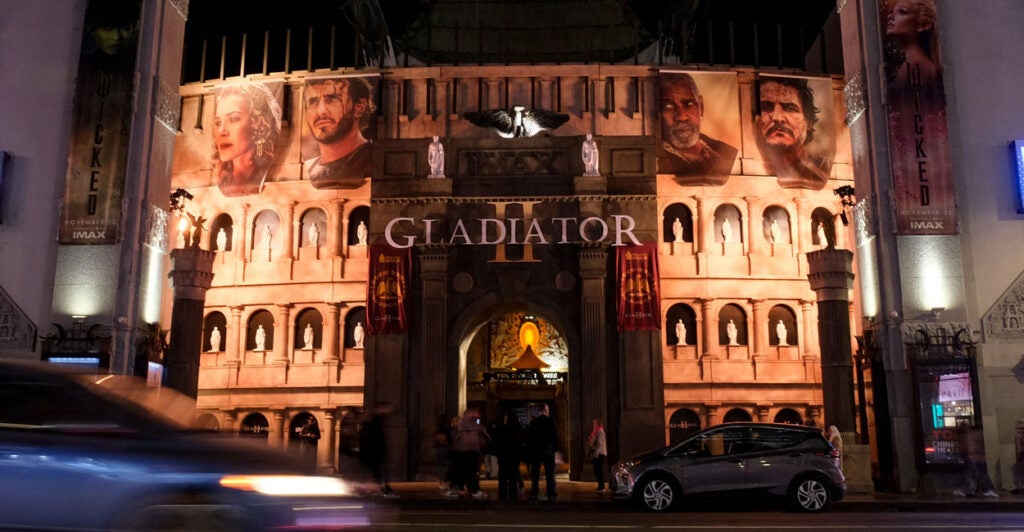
x=232, y=127
x=902, y=20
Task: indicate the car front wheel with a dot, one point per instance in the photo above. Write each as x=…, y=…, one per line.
x=657, y=494
x=809, y=494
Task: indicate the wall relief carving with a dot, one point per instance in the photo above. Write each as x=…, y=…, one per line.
x=1004, y=321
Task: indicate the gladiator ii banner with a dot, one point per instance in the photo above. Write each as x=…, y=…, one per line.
x=387, y=291
x=639, y=307
x=101, y=124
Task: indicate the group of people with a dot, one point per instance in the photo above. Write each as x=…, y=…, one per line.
x=462, y=442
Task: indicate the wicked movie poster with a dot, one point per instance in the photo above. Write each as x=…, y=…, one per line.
x=387, y=291
x=922, y=169
x=639, y=306
x=101, y=124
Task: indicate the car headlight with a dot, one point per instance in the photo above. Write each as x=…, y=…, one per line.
x=287, y=485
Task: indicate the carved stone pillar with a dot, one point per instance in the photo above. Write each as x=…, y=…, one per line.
x=802, y=225
x=710, y=328
x=191, y=276
x=335, y=238
x=433, y=351
x=831, y=278
x=289, y=238
x=393, y=94
x=244, y=229
x=546, y=99
x=593, y=344
x=330, y=328
x=326, y=456
x=759, y=328
x=283, y=333
x=710, y=416
x=235, y=336
x=493, y=94
x=755, y=233
x=277, y=437
x=810, y=340
x=703, y=225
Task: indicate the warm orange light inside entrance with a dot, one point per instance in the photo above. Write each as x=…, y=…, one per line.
x=528, y=335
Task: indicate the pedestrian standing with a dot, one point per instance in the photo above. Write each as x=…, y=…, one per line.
x=309, y=435
x=469, y=442
x=442, y=446
x=542, y=438
x=508, y=445
x=373, y=449
x=598, y=451
x=975, y=477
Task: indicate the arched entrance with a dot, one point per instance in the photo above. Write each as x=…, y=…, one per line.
x=514, y=358
x=256, y=426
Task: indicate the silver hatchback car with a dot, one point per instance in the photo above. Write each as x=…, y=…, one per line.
x=758, y=459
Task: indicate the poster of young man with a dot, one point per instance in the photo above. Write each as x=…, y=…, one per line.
x=339, y=115
x=794, y=129
x=246, y=129
x=101, y=123
x=698, y=112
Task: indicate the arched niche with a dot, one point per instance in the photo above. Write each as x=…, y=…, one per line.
x=681, y=311
x=821, y=217
x=681, y=212
x=308, y=317
x=728, y=223
x=786, y=316
x=255, y=425
x=734, y=313
x=260, y=318
x=355, y=316
x=358, y=215
x=221, y=222
x=737, y=414
x=310, y=237
x=218, y=320
x=789, y=416
x=775, y=225
x=267, y=232
x=681, y=424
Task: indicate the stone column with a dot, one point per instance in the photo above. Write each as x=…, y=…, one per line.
x=326, y=452
x=802, y=226
x=831, y=278
x=755, y=233
x=191, y=276
x=593, y=369
x=234, y=337
x=432, y=401
x=710, y=416
x=336, y=237
x=702, y=228
x=293, y=228
x=243, y=229
x=759, y=329
x=331, y=346
x=277, y=437
x=710, y=328
x=282, y=333
x=809, y=333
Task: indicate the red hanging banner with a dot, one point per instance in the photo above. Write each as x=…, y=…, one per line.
x=387, y=290
x=639, y=297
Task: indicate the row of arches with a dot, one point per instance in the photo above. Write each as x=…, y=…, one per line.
x=685, y=421
x=307, y=330
x=681, y=326
x=312, y=228
x=729, y=225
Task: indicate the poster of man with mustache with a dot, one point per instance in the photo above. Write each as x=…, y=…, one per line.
x=794, y=129
x=340, y=115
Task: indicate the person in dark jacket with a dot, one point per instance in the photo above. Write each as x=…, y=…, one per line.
x=508, y=446
x=373, y=449
x=542, y=444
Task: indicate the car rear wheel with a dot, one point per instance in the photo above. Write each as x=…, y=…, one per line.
x=809, y=494
x=657, y=494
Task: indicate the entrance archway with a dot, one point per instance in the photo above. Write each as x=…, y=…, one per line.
x=513, y=357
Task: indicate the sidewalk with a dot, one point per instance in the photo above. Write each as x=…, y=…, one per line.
x=583, y=497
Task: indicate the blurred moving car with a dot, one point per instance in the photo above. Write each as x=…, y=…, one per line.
x=74, y=456
x=755, y=459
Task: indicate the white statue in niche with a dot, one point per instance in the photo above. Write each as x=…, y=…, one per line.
x=261, y=339
x=590, y=156
x=268, y=236
x=731, y=332
x=307, y=337
x=782, y=333
x=361, y=233
x=726, y=230
x=435, y=157
x=677, y=231
x=222, y=240
x=215, y=340
x=822, y=240
x=358, y=335
x=680, y=332
x=775, y=231
x=314, y=235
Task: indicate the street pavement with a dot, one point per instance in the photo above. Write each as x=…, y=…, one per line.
x=583, y=497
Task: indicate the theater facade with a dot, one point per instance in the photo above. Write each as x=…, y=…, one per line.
x=508, y=274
